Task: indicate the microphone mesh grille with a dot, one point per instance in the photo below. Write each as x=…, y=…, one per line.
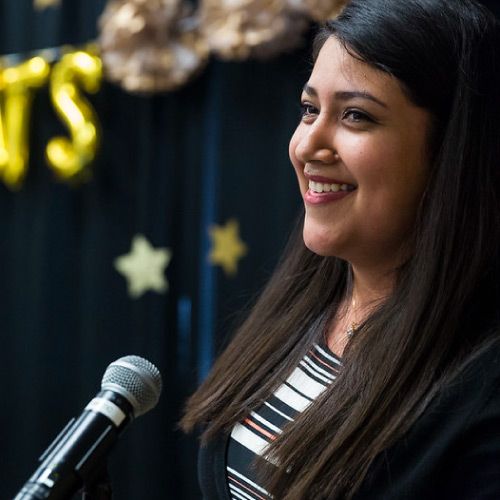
x=136, y=379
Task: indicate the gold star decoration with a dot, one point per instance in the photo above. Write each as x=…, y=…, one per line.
x=227, y=246
x=144, y=267
x=44, y=4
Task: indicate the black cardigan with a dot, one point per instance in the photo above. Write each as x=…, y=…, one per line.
x=452, y=452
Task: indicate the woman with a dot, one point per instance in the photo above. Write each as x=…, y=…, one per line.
x=371, y=363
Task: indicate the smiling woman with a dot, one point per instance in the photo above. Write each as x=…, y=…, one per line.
x=369, y=368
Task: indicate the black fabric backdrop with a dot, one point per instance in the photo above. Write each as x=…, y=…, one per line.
x=169, y=166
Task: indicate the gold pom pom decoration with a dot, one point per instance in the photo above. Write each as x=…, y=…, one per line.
x=239, y=29
x=150, y=46
x=319, y=10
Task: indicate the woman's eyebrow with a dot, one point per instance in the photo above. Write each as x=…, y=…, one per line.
x=346, y=95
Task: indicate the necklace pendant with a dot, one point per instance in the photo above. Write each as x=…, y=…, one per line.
x=350, y=329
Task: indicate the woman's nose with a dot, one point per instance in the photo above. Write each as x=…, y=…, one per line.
x=316, y=145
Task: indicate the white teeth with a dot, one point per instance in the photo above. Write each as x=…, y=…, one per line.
x=319, y=187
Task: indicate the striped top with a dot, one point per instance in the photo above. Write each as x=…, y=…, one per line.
x=317, y=369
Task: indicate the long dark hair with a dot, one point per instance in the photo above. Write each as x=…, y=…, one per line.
x=444, y=309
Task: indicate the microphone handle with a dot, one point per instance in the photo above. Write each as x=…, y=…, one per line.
x=76, y=455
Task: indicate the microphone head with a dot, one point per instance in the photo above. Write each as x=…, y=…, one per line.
x=136, y=379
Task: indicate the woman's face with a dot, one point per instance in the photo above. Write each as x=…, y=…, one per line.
x=360, y=156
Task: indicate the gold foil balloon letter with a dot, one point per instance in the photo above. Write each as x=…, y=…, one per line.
x=17, y=85
x=70, y=159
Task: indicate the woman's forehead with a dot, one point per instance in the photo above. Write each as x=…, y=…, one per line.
x=337, y=73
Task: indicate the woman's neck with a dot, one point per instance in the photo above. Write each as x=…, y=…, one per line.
x=368, y=290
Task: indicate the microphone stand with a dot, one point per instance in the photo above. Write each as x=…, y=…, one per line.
x=100, y=488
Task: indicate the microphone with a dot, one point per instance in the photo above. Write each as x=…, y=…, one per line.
x=130, y=387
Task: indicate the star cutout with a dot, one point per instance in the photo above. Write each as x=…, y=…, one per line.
x=227, y=247
x=43, y=4
x=144, y=267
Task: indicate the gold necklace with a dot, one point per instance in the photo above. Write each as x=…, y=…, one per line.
x=352, y=328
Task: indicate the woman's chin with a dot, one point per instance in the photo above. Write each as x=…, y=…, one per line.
x=320, y=244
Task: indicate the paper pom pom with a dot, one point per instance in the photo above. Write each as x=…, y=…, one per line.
x=238, y=29
x=319, y=10
x=150, y=45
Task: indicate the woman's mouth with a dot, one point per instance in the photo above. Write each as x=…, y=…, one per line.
x=327, y=192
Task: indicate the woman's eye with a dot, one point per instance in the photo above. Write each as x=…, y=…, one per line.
x=356, y=116
x=307, y=109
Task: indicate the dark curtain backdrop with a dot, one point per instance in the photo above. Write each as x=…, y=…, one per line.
x=169, y=166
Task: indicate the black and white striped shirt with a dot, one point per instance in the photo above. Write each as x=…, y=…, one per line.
x=317, y=369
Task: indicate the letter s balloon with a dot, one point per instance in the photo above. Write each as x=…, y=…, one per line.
x=70, y=159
